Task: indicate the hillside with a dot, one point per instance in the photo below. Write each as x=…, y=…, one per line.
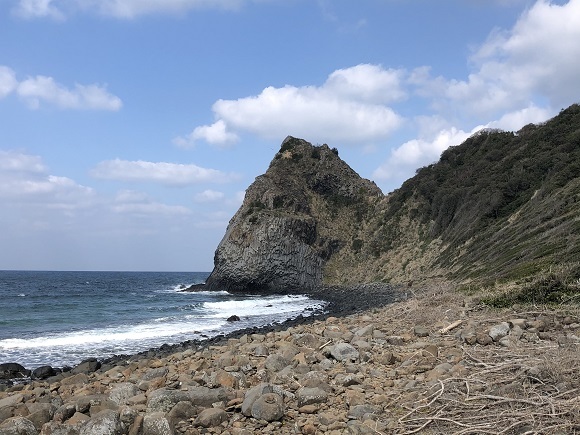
x=501, y=206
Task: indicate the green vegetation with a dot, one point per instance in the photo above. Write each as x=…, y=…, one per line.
x=254, y=206
x=499, y=193
x=548, y=288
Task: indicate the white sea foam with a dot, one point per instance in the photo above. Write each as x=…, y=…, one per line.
x=193, y=320
x=96, y=337
x=269, y=305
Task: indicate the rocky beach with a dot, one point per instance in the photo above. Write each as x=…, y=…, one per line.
x=433, y=361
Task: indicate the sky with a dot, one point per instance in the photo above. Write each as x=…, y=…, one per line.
x=130, y=129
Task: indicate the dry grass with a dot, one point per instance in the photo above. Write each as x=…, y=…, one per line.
x=531, y=388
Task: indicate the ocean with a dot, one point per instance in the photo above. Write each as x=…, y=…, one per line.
x=62, y=318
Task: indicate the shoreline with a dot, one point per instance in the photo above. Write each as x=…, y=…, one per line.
x=341, y=301
x=437, y=362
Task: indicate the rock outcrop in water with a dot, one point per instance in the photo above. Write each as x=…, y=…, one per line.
x=294, y=218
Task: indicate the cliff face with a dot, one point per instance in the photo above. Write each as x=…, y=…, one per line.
x=500, y=206
x=294, y=219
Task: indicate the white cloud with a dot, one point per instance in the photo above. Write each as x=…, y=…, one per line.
x=18, y=162
x=151, y=208
x=8, y=81
x=522, y=75
x=35, y=90
x=513, y=121
x=124, y=9
x=209, y=196
x=418, y=152
x=24, y=179
x=133, y=8
x=170, y=174
x=42, y=88
x=350, y=106
x=538, y=59
x=215, y=134
x=38, y=9
x=368, y=83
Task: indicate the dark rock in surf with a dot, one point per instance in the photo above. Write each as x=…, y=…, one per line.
x=89, y=365
x=13, y=371
x=233, y=318
x=43, y=372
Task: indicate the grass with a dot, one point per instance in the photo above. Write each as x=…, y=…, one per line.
x=556, y=286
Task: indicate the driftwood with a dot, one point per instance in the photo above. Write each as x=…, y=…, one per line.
x=450, y=327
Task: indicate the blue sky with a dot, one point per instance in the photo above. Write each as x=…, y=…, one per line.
x=129, y=129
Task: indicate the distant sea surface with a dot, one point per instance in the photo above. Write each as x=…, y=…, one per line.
x=62, y=318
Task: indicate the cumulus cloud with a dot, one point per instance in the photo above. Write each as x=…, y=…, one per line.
x=539, y=58
x=8, y=81
x=139, y=203
x=169, y=174
x=123, y=9
x=215, y=134
x=209, y=196
x=15, y=162
x=513, y=121
x=24, y=178
x=519, y=76
x=42, y=89
x=350, y=106
x=38, y=9
x=418, y=152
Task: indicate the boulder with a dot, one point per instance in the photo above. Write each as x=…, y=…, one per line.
x=360, y=411
x=211, y=417
x=17, y=426
x=252, y=395
x=43, y=372
x=344, y=352
x=269, y=407
x=155, y=373
x=163, y=399
x=499, y=331
x=122, y=392
x=88, y=366
x=156, y=423
x=205, y=397
x=106, y=422
x=13, y=371
x=276, y=362
x=56, y=428
x=40, y=413
x=11, y=401
x=309, y=396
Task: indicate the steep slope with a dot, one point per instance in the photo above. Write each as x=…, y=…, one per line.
x=294, y=218
x=499, y=206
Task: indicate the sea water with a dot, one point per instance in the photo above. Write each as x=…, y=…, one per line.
x=62, y=318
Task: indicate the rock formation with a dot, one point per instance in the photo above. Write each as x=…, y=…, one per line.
x=294, y=218
x=499, y=206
